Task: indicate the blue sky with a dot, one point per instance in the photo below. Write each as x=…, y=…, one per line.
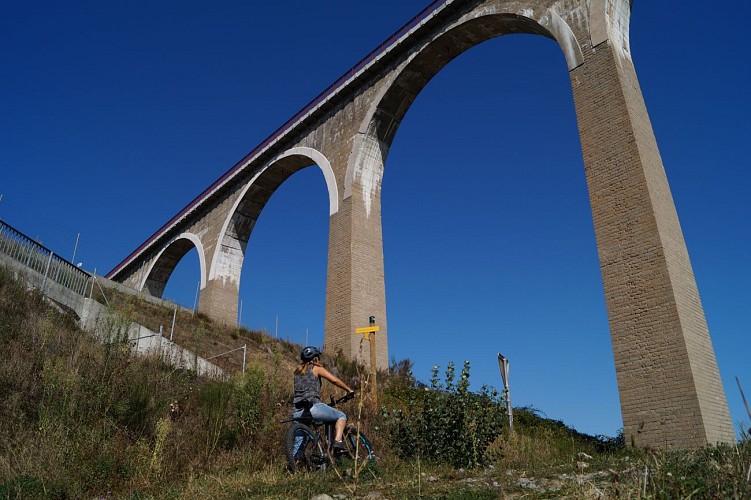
x=114, y=117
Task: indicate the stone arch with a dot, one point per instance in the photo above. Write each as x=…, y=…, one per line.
x=233, y=237
x=377, y=131
x=155, y=280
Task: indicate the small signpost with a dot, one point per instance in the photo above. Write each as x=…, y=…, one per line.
x=503, y=364
x=369, y=333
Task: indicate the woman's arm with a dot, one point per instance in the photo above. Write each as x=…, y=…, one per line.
x=320, y=371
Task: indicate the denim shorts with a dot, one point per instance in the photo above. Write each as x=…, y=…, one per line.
x=322, y=413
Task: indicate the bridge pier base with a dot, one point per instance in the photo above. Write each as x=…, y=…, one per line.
x=219, y=301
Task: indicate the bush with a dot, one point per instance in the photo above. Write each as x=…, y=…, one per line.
x=248, y=393
x=445, y=423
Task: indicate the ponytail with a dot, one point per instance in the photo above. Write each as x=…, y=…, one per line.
x=303, y=367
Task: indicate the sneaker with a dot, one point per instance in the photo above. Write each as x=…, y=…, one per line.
x=339, y=446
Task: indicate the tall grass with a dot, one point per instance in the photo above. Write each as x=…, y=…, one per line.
x=84, y=419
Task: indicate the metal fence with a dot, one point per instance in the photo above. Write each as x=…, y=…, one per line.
x=36, y=257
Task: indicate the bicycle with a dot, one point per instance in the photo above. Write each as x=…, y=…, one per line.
x=308, y=443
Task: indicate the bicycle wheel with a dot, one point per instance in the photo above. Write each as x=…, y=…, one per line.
x=302, y=449
x=363, y=449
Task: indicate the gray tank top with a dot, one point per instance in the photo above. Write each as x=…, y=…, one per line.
x=307, y=387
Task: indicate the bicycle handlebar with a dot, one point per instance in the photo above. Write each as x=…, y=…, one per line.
x=343, y=399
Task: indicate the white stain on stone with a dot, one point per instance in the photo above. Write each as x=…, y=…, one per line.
x=565, y=37
x=578, y=18
x=369, y=169
x=526, y=13
x=618, y=17
x=230, y=262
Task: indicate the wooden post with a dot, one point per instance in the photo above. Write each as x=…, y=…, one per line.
x=373, y=370
x=369, y=333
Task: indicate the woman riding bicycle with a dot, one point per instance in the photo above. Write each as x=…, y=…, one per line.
x=308, y=393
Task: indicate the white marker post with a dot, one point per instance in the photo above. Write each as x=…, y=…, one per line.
x=503, y=364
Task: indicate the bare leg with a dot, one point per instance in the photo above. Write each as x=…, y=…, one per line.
x=340, y=425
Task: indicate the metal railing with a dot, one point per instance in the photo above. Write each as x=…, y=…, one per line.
x=41, y=259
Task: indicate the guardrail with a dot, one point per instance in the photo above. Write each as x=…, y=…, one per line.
x=41, y=259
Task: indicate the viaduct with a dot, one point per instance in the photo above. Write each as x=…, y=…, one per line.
x=670, y=389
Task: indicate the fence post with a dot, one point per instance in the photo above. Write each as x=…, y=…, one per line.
x=85, y=287
x=28, y=255
x=46, y=271
x=55, y=274
x=174, y=315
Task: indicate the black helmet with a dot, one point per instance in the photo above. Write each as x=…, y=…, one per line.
x=309, y=353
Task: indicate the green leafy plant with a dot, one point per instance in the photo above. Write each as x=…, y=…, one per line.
x=445, y=423
x=249, y=387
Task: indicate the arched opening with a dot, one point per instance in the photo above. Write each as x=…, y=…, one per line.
x=283, y=286
x=220, y=298
x=488, y=238
x=183, y=286
x=182, y=261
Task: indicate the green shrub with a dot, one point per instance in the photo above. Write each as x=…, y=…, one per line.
x=248, y=392
x=446, y=423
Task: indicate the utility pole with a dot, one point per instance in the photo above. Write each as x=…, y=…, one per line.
x=75, y=249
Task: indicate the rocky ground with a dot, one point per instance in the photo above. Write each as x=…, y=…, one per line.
x=492, y=483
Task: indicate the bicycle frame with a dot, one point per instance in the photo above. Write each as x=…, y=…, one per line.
x=316, y=438
x=315, y=425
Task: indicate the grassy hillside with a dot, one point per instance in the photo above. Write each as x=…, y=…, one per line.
x=81, y=419
x=201, y=335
